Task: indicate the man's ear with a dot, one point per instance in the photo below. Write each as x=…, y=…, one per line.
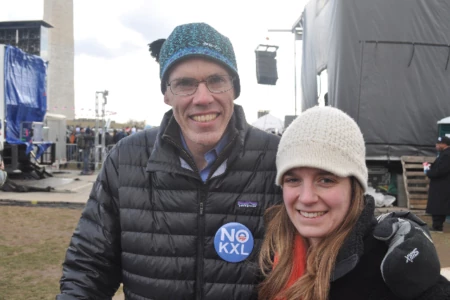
x=166, y=99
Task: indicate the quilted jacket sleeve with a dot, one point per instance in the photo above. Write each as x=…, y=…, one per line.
x=92, y=269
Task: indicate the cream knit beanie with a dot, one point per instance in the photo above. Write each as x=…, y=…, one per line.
x=324, y=138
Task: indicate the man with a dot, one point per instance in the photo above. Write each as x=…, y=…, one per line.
x=177, y=211
x=80, y=145
x=439, y=191
x=85, y=142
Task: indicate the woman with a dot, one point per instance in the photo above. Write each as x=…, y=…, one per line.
x=319, y=243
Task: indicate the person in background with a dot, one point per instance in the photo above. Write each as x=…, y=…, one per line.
x=438, y=204
x=80, y=146
x=114, y=136
x=86, y=144
x=73, y=137
x=121, y=134
x=108, y=139
x=321, y=243
x=177, y=210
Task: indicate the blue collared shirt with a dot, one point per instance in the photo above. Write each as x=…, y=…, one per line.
x=210, y=157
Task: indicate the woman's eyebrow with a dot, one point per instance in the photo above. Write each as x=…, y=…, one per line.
x=326, y=173
x=288, y=173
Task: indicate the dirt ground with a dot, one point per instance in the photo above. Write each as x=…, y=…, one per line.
x=442, y=242
x=34, y=239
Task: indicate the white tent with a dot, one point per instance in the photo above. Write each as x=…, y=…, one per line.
x=444, y=121
x=269, y=123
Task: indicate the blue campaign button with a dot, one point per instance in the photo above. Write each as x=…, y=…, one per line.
x=233, y=242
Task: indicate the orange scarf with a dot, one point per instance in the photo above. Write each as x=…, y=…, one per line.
x=299, y=263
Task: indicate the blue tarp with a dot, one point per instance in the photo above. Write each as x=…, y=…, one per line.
x=25, y=94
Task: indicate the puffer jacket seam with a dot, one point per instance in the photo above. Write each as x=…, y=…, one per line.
x=105, y=262
x=146, y=188
x=94, y=223
x=162, y=279
x=135, y=294
x=193, y=213
x=237, y=170
x=140, y=254
x=103, y=206
x=256, y=150
x=81, y=238
x=132, y=165
x=165, y=234
x=126, y=291
x=173, y=190
x=132, y=144
x=184, y=280
x=154, y=233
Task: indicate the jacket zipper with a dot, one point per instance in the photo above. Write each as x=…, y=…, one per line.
x=201, y=225
x=200, y=246
x=219, y=158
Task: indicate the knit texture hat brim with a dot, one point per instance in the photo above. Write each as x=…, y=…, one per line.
x=325, y=138
x=314, y=154
x=201, y=53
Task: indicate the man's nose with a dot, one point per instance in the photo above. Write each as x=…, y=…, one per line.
x=202, y=96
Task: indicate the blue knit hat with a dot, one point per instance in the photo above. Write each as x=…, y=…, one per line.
x=197, y=40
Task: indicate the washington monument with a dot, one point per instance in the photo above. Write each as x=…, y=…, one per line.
x=60, y=75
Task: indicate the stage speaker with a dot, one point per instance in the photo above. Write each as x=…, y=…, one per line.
x=266, y=65
x=288, y=119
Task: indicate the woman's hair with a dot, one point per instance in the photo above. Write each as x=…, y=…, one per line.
x=279, y=240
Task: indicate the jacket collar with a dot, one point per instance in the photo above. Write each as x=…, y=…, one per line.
x=353, y=247
x=168, y=146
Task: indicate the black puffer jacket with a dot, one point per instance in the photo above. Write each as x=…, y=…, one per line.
x=150, y=223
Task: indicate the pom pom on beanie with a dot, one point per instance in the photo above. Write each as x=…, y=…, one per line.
x=155, y=48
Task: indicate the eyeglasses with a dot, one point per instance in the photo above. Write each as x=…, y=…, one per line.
x=216, y=84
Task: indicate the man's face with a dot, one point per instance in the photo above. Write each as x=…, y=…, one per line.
x=203, y=116
x=440, y=146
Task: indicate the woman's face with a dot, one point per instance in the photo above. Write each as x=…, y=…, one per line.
x=316, y=201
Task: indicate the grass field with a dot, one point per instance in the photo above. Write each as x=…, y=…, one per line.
x=33, y=242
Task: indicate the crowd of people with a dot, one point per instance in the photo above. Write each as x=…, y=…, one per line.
x=186, y=210
x=84, y=139
x=112, y=136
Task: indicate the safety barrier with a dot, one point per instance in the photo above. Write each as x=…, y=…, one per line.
x=74, y=156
